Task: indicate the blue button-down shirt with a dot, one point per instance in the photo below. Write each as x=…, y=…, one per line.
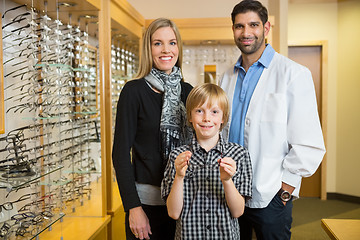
x=245, y=86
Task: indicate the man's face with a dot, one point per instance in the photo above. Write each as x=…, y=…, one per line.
x=249, y=33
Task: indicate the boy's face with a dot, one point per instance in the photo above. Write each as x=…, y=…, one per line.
x=207, y=121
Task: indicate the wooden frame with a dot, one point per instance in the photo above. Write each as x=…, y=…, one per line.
x=97, y=93
x=2, y=107
x=324, y=102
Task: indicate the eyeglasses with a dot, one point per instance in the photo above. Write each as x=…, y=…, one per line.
x=13, y=137
x=32, y=185
x=22, y=169
x=22, y=216
x=31, y=106
x=12, y=9
x=22, y=230
x=14, y=149
x=13, y=160
x=193, y=169
x=33, y=217
x=10, y=205
x=4, y=230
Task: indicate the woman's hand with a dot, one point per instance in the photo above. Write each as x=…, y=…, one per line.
x=139, y=223
x=227, y=168
x=181, y=163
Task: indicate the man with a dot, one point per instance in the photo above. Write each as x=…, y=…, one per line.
x=274, y=115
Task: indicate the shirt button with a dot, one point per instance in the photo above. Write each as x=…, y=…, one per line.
x=247, y=122
x=208, y=178
x=208, y=195
x=208, y=227
x=207, y=211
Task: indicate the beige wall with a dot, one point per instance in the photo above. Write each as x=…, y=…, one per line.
x=348, y=100
x=337, y=24
x=314, y=22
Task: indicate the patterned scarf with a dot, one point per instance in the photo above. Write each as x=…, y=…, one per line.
x=173, y=127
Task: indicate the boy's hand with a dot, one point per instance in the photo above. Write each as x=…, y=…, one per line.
x=181, y=163
x=227, y=168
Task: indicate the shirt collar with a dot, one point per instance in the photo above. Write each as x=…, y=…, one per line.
x=264, y=60
x=218, y=147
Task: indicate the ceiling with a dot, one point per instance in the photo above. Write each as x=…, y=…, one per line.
x=175, y=8
x=194, y=8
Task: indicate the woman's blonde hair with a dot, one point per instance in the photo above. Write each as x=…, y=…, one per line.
x=211, y=93
x=146, y=60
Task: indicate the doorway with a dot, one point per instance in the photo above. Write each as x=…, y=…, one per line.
x=312, y=56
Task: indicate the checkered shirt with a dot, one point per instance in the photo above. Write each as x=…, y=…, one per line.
x=205, y=214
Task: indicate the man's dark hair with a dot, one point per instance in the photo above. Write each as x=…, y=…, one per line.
x=250, y=6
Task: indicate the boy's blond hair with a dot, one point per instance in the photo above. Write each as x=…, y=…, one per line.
x=208, y=91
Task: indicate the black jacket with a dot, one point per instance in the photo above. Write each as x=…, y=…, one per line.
x=138, y=129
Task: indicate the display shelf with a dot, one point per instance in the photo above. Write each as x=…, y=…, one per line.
x=52, y=183
x=47, y=226
x=17, y=183
x=76, y=228
x=85, y=223
x=344, y=229
x=90, y=208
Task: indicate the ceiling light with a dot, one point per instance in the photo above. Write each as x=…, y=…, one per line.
x=65, y=4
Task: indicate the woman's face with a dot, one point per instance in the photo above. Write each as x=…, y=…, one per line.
x=164, y=49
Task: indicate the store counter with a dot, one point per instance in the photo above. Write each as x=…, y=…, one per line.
x=342, y=229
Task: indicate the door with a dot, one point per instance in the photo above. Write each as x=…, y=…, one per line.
x=310, y=56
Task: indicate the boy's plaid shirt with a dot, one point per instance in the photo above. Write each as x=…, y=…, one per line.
x=205, y=214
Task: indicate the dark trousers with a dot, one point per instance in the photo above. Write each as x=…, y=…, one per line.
x=162, y=226
x=270, y=223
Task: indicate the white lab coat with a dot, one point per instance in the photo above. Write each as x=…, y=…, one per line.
x=282, y=128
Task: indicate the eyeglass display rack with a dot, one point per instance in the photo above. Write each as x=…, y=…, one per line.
x=55, y=84
x=124, y=62
x=51, y=108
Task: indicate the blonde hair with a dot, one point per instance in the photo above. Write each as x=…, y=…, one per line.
x=211, y=93
x=146, y=60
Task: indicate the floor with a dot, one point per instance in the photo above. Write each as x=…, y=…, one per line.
x=308, y=212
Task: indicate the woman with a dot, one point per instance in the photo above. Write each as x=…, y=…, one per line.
x=151, y=121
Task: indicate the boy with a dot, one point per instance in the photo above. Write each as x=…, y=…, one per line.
x=206, y=182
